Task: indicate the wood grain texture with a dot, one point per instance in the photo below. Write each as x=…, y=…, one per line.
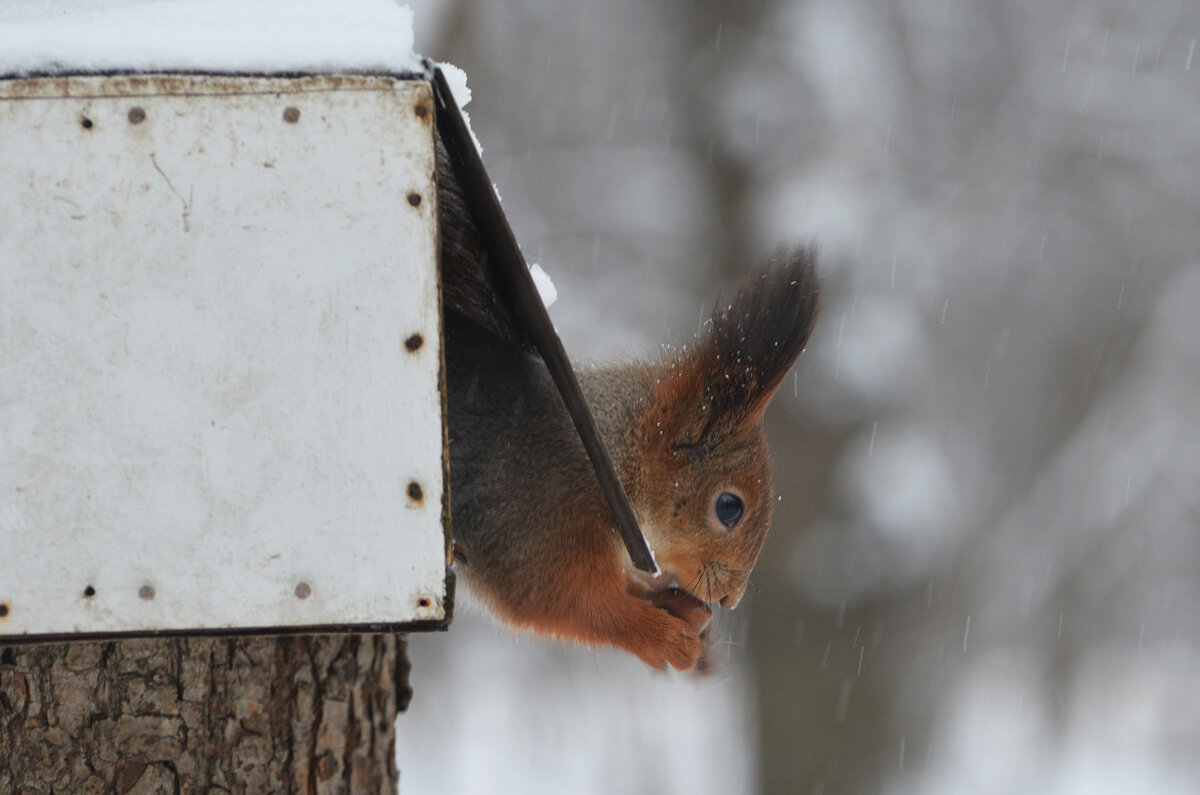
x=308, y=714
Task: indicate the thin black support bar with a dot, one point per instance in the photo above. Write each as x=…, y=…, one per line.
x=501, y=245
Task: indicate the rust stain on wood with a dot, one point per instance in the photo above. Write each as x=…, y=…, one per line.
x=138, y=85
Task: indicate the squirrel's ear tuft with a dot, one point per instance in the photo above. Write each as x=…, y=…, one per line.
x=755, y=334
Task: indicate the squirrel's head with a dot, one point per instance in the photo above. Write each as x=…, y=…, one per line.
x=704, y=492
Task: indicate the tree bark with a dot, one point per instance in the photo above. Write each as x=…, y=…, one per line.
x=309, y=714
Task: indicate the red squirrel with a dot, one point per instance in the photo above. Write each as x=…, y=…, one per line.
x=533, y=536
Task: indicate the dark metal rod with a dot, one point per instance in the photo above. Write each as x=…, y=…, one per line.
x=501, y=244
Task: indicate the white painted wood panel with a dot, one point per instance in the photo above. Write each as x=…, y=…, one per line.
x=209, y=416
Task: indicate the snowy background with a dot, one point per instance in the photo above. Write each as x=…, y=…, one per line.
x=983, y=575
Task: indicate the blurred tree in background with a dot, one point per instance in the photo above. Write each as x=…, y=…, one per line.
x=985, y=563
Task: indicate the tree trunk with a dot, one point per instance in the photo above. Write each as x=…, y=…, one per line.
x=312, y=714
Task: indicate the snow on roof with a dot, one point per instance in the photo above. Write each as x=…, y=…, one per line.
x=217, y=36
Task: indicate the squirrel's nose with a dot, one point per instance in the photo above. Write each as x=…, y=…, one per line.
x=736, y=586
x=731, y=599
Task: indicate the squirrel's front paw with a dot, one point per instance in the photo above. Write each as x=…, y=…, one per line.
x=665, y=640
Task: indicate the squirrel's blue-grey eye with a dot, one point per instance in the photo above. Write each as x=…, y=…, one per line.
x=729, y=508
